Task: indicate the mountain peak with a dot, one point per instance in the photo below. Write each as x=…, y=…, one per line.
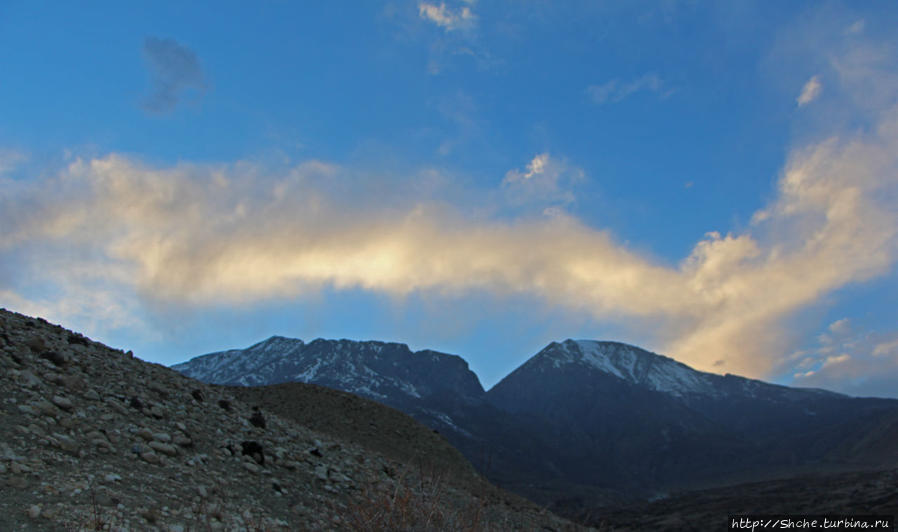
x=631, y=364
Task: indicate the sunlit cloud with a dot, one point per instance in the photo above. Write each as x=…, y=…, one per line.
x=112, y=235
x=447, y=18
x=810, y=91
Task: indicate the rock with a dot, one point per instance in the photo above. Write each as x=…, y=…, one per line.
x=58, y=359
x=164, y=448
x=91, y=395
x=29, y=380
x=34, y=511
x=62, y=402
x=197, y=396
x=136, y=403
x=182, y=441
x=150, y=457
x=251, y=467
x=65, y=443
x=36, y=344
x=27, y=409
x=45, y=407
x=112, y=477
x=321, y=472
x=257, y=419
x=254, y=450
x=75, y=338
x=74, y=383
x=162, y=436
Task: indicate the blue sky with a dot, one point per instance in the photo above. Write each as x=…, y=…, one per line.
x=713, y=181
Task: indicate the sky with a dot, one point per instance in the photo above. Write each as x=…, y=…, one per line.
x=713, y=181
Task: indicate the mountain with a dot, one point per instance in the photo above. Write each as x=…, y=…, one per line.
x=639, y=422
x=587, y=424
x=93, y=438
x=430, y=386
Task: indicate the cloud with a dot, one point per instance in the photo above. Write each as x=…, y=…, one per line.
x=447, y=18
x=889, y=348
x=544, y=181
x=810, y=91
x=856, y=27
x=174, y=69
x=237, y=234
x=616, y=90
x=10, y=160
x=863, y=363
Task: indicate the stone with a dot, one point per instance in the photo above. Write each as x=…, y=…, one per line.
x=162, y=436
x=163, y=448
x=321, y=472
x=58, y=359
x=45, y=407
x=74, y=383
x=65, y=443
x=29, y=380
x=34, y=511
x=150, y=457
x=144, y=434
x=251, y=467
x=91, y=395
x=62, y=402
x=257, y=420
x=254, y=450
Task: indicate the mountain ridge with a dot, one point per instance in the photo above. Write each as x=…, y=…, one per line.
x=587, y=423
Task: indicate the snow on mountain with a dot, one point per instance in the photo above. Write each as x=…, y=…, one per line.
x=635, y=365
x=378, y=370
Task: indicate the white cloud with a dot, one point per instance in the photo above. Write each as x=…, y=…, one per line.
x=811, y=90
x=447, y=18
x=535, y=167
x=616, y=90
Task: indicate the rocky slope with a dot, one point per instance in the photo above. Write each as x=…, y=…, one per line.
x=93, y=438
x=852, y=493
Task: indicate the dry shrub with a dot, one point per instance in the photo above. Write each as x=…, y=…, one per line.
x=412, y=502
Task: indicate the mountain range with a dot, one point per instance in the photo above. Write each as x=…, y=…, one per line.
x=583, y=424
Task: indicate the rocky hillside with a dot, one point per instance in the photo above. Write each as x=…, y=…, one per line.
x=852, y=493
x=94, y=438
